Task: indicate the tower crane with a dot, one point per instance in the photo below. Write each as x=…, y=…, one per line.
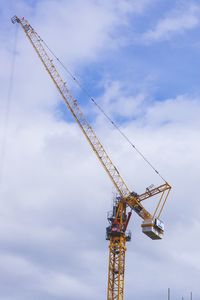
x=116, y=232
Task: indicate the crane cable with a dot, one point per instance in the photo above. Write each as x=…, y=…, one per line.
x=8, y=105
x=85, y=91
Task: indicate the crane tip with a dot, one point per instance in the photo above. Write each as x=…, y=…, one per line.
x=15, y=19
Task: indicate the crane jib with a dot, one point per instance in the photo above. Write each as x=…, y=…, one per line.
x=133, y=201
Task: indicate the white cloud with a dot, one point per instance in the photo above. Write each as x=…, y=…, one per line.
x=183, y=19
x=55, y=195
x=117, y=101
x=60, y=196
x=60, y=285
x=128, y=6
x=182, y=110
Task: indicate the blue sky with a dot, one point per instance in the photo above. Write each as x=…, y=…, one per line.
x=140, y=61
x=168, y=66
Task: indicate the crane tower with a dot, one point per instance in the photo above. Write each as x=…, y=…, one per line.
x=116, y=233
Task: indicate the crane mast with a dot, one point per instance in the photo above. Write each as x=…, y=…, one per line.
x=116, y=232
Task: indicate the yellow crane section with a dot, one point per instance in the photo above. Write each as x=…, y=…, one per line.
x=116, y=232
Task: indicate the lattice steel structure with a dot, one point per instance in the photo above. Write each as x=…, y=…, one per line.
x=117, y=231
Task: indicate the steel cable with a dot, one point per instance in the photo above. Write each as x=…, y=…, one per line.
x=101, y=110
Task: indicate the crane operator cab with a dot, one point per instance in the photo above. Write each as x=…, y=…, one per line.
x=153, y=228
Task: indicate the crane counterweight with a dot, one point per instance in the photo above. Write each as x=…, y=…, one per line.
x=151, y=228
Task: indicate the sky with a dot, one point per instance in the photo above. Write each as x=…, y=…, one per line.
x=140, y=60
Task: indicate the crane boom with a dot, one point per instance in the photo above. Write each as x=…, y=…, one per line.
x=116, y=232
x=86, y=128
x=74, y=108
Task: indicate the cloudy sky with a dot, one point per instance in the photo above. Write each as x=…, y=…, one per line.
x=140, y=60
